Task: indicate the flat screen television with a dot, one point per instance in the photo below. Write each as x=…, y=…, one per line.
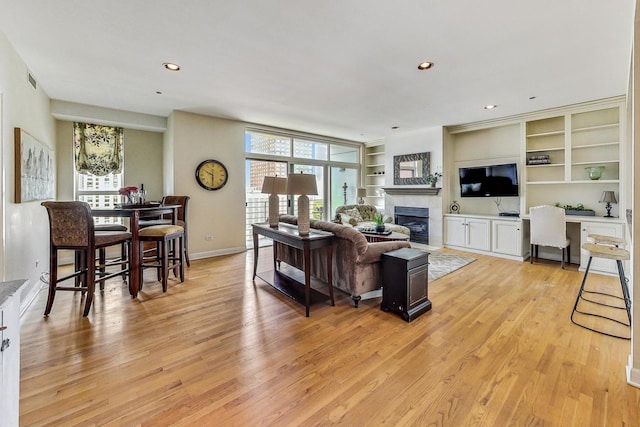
x=489, y=181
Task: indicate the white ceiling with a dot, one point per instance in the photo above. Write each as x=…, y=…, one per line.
x=344, y=68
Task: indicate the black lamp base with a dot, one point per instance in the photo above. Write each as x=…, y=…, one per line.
x=608, y=208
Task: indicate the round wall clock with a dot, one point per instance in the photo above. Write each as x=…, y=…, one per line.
x=211, y=175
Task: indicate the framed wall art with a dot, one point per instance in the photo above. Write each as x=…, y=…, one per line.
x=35, y=175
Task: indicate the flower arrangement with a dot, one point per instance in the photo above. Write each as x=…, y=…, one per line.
x=129, y=194
x=433, y=178
x=126, y=191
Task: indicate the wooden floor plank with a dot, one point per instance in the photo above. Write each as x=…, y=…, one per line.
x=497, y=348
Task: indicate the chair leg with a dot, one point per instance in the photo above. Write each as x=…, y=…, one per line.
x=183, y=256
x=186, y=249
x=140, y=250
x=102, y=261
x=164, y=265
x=625, y=289
x=562, y=251
x=90, y=281
x=532, y=253
x=53, y=279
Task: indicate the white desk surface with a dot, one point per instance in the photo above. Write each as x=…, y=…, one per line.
x=589, y=218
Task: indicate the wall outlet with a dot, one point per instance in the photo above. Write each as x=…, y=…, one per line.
x=37, y=263
x=208, y=237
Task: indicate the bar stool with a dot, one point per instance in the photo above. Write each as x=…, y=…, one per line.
x=71, y=227
x=607, y=248
x=165, y=237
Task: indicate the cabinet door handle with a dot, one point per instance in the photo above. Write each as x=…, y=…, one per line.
x=2, y=328
x=5, y=344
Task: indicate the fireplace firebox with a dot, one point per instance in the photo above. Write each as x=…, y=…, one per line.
x=416, y=220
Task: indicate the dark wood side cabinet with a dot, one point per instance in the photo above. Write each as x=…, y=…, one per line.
x=405, y=282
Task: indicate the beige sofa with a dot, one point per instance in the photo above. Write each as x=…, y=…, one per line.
x=356, y=263
x=366, y=212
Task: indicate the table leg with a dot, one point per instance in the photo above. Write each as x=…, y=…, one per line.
x=330, y=271
x=307, y=275
x=255, y=254
x=275, y=255
x=134, y=266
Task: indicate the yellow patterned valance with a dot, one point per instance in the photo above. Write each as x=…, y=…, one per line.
x=98, y=149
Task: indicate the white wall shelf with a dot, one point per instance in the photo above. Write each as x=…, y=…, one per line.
x=374, y=177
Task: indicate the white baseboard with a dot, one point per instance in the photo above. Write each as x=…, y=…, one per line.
x=633, y=374
x=219, y=252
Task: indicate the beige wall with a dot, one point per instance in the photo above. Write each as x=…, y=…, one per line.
x=143, y=160
x=221, y=213
x=24, y=250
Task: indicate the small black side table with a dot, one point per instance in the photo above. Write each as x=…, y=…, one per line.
x=405, y=282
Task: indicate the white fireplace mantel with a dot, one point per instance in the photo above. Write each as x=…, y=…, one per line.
x=428, y=191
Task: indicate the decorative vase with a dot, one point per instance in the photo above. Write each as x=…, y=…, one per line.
x=595, y=172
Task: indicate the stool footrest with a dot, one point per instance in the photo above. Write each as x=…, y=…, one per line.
x=625, y=297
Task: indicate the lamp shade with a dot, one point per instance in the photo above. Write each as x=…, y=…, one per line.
x=274, y=185
x=362, y=192
x=300, y=183
x=608, y=197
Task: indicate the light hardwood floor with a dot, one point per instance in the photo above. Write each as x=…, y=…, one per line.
x=497, y=349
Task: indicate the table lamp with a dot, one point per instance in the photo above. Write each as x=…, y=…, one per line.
x=362, y=193
x=608, y=197
x=304, y=185
x=274, y=185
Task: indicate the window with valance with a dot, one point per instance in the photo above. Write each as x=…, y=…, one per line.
x=98, y=149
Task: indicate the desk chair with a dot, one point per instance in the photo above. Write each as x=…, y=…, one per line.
x=548, y=228
x=71, y=227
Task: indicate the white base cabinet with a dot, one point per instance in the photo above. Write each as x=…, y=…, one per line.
x=493, y=235
x=10, y=352
x=509, y=237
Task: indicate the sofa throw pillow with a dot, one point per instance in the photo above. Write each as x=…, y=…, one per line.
x=347, y=220
x=355, y=214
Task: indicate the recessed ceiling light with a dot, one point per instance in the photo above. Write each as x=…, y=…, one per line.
x=395, y=127
x=532, y=97
x=490, y=107
x=425, y=65
x=158, y=92
x=171, y=66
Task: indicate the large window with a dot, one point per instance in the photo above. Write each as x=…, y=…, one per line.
x=98, y=165
x=336, y=165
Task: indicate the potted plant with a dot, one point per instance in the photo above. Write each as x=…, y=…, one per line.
x=433, y=178
x=576, y=210
x=378, y=218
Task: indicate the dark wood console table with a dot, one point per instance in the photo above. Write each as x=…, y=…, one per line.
x=288, y=234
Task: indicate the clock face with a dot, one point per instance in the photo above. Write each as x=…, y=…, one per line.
x=211, y=175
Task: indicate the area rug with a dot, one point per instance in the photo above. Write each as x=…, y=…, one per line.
x=441, y=264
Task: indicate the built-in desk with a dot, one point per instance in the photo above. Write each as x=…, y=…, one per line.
x=578, y=228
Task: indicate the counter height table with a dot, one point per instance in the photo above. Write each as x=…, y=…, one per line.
x=135, y=213
x=289, y=235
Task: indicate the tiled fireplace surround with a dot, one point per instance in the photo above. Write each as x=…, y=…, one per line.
x=434, y=203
